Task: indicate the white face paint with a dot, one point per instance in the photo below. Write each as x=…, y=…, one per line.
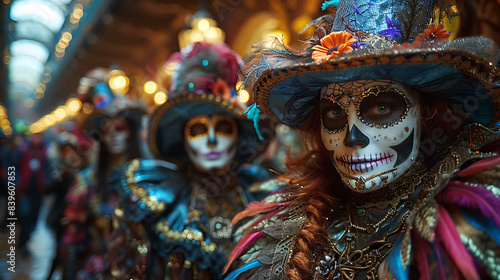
x=211, y=141
x=371, y=129
x=116, y=133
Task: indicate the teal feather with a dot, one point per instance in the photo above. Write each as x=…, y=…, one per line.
x=327, y=4
x=234, y=275
x=253, y=114
x=395, y=263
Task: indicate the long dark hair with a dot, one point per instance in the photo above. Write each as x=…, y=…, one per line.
x=103, y=161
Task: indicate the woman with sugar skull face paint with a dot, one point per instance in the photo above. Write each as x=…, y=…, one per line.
x=401, y=180
x=371, y=130
x=175, y=214
x=91, y=200
x=211, y=142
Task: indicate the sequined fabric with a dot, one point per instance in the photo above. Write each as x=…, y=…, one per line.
x=174, y=228
x=418, y=231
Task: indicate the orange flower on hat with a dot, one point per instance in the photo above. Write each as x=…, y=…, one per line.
x=432, y=33
x=333, y=45
x=438, y=32
x=222, y=89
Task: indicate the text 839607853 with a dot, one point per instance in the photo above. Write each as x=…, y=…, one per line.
x=11, y=217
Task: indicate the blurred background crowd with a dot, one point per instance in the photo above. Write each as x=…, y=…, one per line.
x=80, y=82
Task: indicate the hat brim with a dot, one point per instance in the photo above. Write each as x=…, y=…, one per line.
x=167, y=127
x=289, y=94
x=92, y=127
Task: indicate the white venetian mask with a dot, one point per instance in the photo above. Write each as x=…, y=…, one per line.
x=371, y=129
x=211, y=141
x=116, y=133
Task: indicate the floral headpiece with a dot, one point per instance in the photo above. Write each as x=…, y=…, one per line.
x=390, y=40
x=203, y=83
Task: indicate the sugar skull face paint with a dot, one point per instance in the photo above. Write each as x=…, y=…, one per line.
x=371, y=129
x=211, y=141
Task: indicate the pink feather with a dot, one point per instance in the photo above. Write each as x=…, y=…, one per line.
x=421, y=247
x=456, y=250
x=256, y=208
x=244, y=243
x=480, y=166
x=265, y=217
x=461, y=195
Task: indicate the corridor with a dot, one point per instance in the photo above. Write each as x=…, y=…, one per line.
x=41, y=246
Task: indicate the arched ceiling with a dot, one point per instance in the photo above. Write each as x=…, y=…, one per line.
x=136, y=36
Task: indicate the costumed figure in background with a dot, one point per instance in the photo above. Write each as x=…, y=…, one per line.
x=402, y=178
x=10, y=155
x=175, y=219
x=68, y=153
x=94, y=194
x=33, y=173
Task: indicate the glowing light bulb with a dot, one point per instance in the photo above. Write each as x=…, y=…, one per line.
x=196, y=36
x=119, y=84
x=8, y=131
x=243, y=95
x=150, y=87
x=74, y=104
x=238, y=85
x=160, y=98
x=66, y=37
x=4, y=123
x=203, y=25
x=36, y=127
x=60, y=113
x=51, y=119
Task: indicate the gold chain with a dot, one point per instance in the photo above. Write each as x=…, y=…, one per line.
x=370, y=227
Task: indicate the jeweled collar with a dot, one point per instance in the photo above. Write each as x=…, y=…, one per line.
x=363, y=236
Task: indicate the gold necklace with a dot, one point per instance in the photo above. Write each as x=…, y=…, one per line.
x=370, y=227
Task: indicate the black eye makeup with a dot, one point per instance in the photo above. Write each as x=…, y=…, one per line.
x=333, y=117
x=199, y=127
x=383, y=107
x=196, y=127
x=224, y=127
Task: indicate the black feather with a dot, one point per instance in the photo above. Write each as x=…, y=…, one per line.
x=415, y=17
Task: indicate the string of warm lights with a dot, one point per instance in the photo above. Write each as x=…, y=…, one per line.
x=160, y=97
x=62, y=44
x=150, y=88
x=202, y=29
x=4, y=121
x=63, y=112
x=118, y=83
x=74, y=20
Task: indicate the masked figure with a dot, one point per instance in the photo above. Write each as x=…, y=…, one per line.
x=401, y=180
x=92, y=197
x=175, y=219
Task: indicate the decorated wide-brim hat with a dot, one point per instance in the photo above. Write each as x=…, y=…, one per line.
x=203, y=84
x=107, y=104
x=168, y=121
x=389, y=40
x=94, y=124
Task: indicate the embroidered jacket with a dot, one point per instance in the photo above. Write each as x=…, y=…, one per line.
x=446, y=227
